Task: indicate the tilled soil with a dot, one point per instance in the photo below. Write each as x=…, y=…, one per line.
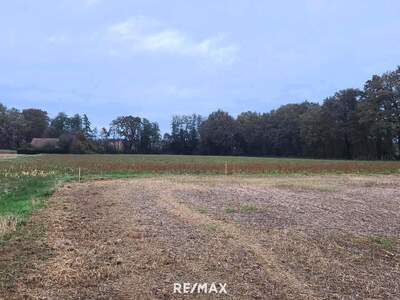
x=330, y=237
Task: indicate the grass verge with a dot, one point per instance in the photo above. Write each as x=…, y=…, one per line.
x=20, y=196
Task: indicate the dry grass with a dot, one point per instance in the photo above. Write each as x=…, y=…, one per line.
x=306, y=186
x=8, y=224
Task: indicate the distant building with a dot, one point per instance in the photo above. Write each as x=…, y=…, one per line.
x=39, y=143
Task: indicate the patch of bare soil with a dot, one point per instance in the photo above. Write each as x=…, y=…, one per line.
x=331, y=237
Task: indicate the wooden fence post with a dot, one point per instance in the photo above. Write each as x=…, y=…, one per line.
x=226, y=168
x=79, y=174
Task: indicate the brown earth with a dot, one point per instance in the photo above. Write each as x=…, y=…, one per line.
x=316, y=237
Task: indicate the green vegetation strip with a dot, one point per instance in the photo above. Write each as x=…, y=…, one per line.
x=20, y=196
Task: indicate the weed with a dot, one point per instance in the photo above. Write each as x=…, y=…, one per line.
x=384, y=242
x=202, y=210
x=248, y=208
x=8, y=224
x=212, y=228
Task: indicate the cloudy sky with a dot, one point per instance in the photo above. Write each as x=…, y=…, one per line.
x=156, y=58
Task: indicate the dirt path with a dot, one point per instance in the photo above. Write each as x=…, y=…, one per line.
x=265, y=238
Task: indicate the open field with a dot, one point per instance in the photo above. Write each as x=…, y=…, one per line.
x=26, y=181
x=273, y=228
x=285, y=237
x=100, y=164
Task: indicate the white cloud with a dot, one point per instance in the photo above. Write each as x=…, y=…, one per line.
x=142, y=34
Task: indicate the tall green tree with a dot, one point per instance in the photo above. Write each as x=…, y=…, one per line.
x=3, y=124
x=58, y=125
x=392, y=84
x=375, y=111
x=75, y=124
x=150, y=138
x=339, y=119
x=87, y=130
x=185, y=137
x=284, y=129
x=312, y=132
x=250, y=134
x=13, y=129
x=36, y=122
x=129, y=129
x=217, y=134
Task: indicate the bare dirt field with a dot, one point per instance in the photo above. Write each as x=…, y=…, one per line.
x=314, y=237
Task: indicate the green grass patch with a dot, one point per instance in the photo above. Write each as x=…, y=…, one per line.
x=230, y=210
x=244, y=208
x=212, y=228
x=384, y=242
x=248, y=208
x=202, y=210
x=19, y=196
x=26, y=194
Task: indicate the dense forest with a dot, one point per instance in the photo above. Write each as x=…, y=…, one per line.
x=352, y=124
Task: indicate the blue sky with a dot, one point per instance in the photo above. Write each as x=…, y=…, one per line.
x=156, y=58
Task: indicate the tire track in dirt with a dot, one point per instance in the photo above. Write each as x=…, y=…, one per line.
x=342, y=259
x=195, y=255
x=240, y=237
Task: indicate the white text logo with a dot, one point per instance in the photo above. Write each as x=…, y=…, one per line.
x=200, y=288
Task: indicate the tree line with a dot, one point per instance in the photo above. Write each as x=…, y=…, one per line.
x=351, y=124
